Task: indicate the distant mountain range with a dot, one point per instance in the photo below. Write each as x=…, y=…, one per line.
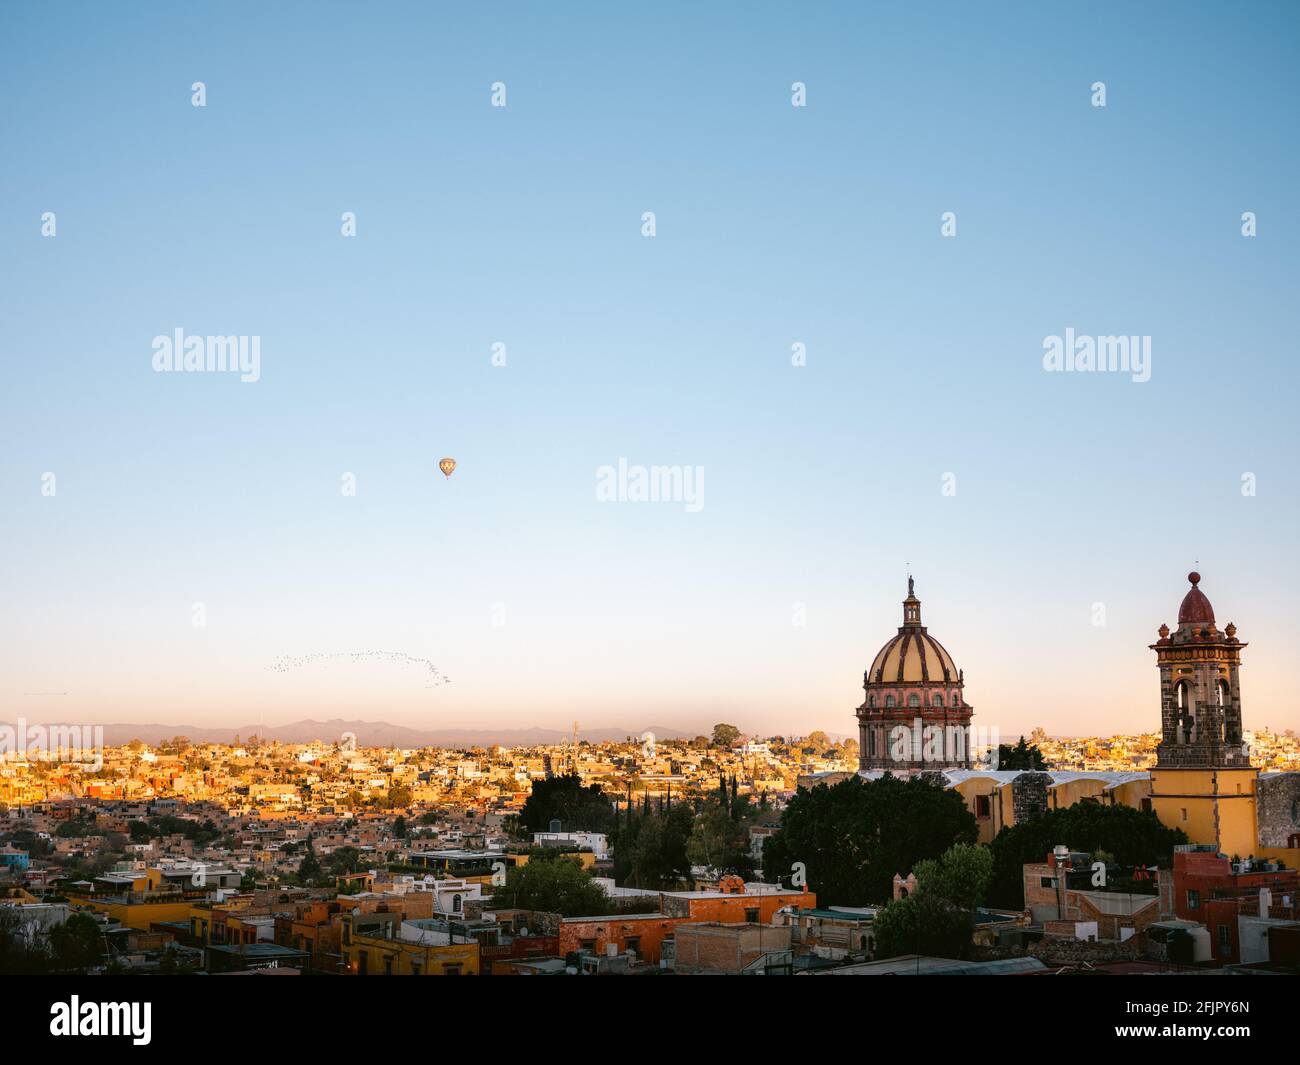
x=378, y=734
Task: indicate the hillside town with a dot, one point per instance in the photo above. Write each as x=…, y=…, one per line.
x=1278, y=751
x=323, y=858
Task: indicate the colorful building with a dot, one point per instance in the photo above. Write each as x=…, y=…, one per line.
x=398, y=949
x=642, y=934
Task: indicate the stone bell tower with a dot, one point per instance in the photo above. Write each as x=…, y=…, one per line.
x=1203, y=781
x=1200, y=688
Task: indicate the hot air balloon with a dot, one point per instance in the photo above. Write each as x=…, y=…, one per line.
x=448, y=466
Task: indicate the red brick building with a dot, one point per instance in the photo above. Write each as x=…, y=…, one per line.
x=733, y=948
x=1210, y=889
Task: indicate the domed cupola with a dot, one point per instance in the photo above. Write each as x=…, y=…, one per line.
x=1196, y=608
x=913, y=656
x=912, y=684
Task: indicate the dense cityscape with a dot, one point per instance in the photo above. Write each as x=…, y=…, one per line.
x=328, y=858
x=471, y=478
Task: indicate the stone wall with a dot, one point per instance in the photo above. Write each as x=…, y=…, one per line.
x=1029, y=796
x=1278, y=808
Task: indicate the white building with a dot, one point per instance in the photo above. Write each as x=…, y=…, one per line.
x=593, y=841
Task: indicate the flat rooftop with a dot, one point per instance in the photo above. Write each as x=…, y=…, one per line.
x=915, y=964
x=258, y=950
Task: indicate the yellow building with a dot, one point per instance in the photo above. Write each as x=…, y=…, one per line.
x=132, y=914
x=1000, y=798
x=1214, y=806
x=421, y=954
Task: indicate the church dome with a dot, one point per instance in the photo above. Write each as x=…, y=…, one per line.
x=1196, y=609
x=915, y=716
x=913, y=656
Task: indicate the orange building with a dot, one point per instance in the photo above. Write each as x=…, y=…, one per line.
x=646, y=934
x=734, y=902
x=642, y=933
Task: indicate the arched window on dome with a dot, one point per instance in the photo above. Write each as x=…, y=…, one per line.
x=937, y=700
x=956, y=699
x=871, y=700
x=889, y=701
x=914, y=700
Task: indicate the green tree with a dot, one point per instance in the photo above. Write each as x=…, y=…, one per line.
x=399, y=828
x=1132, y=837
x=343, y=861
x=578, y=808
x=939, y=916
x=76, y=944
x=1021, y=756
x=552, y=884
x=650, y=848
x=309, y=869
x=725, y=735
x=17, y=955
x=720, y=842
x=852, y=837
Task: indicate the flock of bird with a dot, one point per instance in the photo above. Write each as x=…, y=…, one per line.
x=288, y=663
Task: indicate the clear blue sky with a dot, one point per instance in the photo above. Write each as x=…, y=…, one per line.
x=523, y=225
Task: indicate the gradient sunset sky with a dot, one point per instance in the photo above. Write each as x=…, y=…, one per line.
x=776, y=225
